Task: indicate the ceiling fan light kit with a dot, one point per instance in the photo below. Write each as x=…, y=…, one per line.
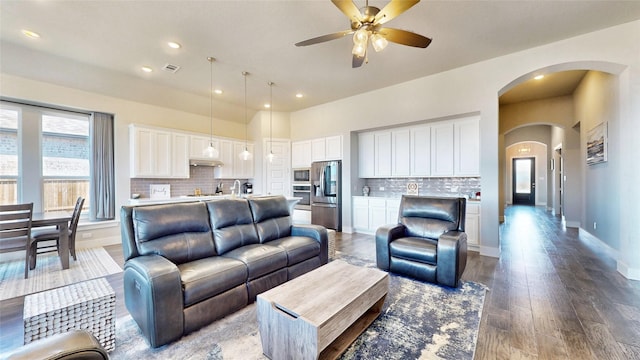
x=366, y=27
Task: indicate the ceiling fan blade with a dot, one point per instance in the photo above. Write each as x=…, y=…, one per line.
x=393, y=9
x=358, y=60
x=348, y=8
x=404, y=37
x=324, y=38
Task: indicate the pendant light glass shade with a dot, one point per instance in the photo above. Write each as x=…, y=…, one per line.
x=210, y=151
x=245, y=155
x=378, y=42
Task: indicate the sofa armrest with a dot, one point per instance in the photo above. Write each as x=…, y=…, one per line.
x=385, y=235
x=316, y=232
x=75, y=344
x=452, y=257
x=153, y=296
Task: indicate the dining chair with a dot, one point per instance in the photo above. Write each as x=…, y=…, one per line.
x=38, y=236
x=15, y=230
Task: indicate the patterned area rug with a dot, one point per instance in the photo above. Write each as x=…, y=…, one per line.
x=48, y=274
x=418, y=321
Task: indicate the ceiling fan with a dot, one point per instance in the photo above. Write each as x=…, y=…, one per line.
x=366, y=26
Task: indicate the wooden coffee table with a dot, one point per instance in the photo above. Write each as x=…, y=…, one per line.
x=319, y=314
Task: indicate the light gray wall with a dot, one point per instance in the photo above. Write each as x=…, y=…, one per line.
x=596, y=102
x=475, y=89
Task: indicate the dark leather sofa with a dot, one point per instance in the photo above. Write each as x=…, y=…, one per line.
x=189, y=264
x=72, y=345
x=428, y=243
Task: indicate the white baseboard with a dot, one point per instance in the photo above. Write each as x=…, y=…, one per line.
x=347, y=229
x=572, y=224
x=490, y=251
x=92, y=243
x=621, y=266
x=627, y=272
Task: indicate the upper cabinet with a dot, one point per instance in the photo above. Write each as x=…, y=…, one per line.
x=466, y=161
x=152, y=153
x=439, y=149
x=165, y=153
x=303, y=153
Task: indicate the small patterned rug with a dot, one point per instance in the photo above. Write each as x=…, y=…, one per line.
x=418, y=321
x=48, y=274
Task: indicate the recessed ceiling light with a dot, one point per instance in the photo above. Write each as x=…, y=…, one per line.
x=299, y=95
x=539, y=77
x=174, y=45
x=31, y=34
x=147, y=69
x=217, y=91
x=267, y=105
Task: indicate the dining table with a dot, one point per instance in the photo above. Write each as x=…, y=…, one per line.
x=59, y=219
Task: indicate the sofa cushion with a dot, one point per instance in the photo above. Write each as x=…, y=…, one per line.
x=232, y=224
x=298, y=248
x=205, y=278
x=272, y=218
x=178, y=232
x=415, y=249
x=260, y=259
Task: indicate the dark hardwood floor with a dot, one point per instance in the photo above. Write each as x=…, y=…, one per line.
x=553, y=294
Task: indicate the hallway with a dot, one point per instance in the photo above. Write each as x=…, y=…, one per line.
x=554, y=295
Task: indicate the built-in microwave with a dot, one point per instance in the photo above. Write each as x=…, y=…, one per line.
x=301, y=175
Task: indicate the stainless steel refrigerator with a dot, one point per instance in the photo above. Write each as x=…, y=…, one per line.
x=326, y=194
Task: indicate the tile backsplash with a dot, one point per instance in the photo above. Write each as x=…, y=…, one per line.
x=446, y=186
x=201, y=177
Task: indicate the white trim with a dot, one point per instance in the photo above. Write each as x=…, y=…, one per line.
x=572, y=224
x=347, y=229
x=627, y=272
x=99, y=242
x=621, y=267
x=98, y=224
x=490, y=251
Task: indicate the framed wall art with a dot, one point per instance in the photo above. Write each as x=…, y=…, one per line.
x=597, y=144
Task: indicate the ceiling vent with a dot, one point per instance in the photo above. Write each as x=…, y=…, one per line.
x=172, y=68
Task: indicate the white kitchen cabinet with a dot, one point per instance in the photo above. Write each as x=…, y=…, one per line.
x=150, y=151
x=401, y=152
x=301, y=217
x=442, y=149
x=366, y=155
x=382, y=153
x=333, y=147
x=360, y=213
x=393, y=208
x=377, y=213
x=180, y=155
x=318, y=149
x=467, y=147
x=420, y=151
x=472, y=225
x=301, y=154
x=226, y=156
x=198, y=144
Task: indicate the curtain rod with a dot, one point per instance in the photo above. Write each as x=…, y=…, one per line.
x=47, y=106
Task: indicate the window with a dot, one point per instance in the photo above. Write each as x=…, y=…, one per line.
x=44, y=157
x=9, y=155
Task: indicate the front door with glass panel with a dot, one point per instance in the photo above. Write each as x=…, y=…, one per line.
x=524, y=181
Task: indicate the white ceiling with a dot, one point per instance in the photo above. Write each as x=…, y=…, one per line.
x=101, y=45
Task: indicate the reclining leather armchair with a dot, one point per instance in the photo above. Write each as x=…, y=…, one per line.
x=72, y=345
x=428, y=243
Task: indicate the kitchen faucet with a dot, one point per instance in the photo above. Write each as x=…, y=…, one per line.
x=236, y=183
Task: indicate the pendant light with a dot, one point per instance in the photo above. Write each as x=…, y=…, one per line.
x=270, y=157
x=245, y=155
x=210, y=151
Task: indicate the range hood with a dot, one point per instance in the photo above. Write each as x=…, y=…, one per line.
x=205, y=162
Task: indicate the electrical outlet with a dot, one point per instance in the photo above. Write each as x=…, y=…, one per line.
x=86, y=235
x=595, y=226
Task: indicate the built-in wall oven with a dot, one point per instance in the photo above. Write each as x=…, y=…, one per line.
x=302, y=190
